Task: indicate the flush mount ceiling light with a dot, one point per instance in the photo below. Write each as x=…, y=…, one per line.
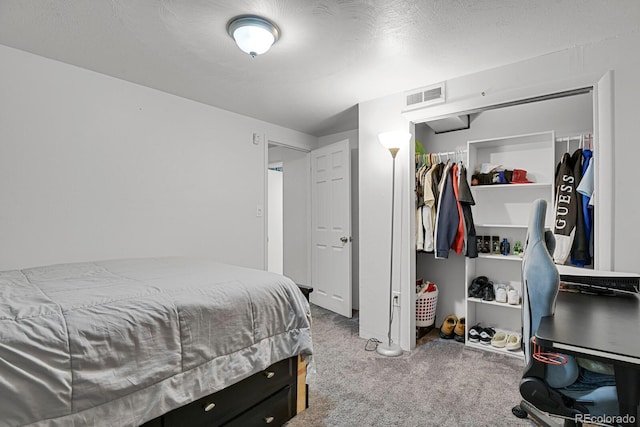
x=253, y=34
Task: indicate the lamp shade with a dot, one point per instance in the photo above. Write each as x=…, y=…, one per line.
x=394, y=139
x=253, y=34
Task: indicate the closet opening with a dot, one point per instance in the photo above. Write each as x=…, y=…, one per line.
x=275, y=236
x=288, y=211
x=531, y=135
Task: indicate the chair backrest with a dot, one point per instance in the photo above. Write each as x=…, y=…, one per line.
x=540, y=285
x=540, y=278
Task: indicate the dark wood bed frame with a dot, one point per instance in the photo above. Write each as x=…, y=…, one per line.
x=271, y=397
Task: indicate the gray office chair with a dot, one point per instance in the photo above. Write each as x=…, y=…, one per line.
x=551, y=388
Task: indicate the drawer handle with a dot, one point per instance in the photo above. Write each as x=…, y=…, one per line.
x=268, y=420
x=209, y=406
x=269, y=374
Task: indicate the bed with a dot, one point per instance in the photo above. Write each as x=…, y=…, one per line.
x=135, y=341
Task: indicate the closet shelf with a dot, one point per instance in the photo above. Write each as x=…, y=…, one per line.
x=494, y=187
x=499, y=304
x=513, y=226
x=518, y=354
x=502, y=211
x=501, y=257
x=523, y=226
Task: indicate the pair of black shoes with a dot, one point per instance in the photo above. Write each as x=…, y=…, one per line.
x=481, y=287
x=482, y=335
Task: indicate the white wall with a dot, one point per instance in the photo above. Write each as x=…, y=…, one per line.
x=352, y=136
x=93, y=167
x=553, y=72
x=375, y=167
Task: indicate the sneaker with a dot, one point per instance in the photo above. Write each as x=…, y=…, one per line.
x=446, y=330
x=487, y=293
x=486, y=335
x=459, y=330
x=474, y=333
x=501, y=294
x=513, y=297
x=478, y=285
x=514, y=342
x=499, y=340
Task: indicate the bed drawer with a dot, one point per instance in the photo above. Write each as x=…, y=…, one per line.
x=235, y=399
x=274, y=411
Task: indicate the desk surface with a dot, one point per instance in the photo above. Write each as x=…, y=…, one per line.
x=606, y=327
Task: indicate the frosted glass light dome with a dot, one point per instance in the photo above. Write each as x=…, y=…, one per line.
x=253, y=34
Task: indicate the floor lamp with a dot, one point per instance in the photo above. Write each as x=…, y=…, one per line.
x=392, y=142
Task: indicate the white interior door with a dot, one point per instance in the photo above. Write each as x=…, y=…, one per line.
x=331, y=227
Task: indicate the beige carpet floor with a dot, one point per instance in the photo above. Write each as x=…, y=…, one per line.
x=440, y=383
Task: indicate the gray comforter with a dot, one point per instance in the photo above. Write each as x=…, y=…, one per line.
x=121, y=342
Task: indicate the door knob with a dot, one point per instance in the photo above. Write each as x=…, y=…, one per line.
x=344, y=239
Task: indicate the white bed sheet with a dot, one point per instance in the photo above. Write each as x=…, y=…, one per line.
x=121, y=342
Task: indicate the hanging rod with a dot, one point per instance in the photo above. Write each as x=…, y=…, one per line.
x=450, y=153
x=444, y=153
x=582, y=138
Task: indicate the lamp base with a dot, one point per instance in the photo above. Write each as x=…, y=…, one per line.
x=389, y=350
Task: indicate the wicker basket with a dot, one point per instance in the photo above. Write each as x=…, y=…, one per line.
x=426, y=308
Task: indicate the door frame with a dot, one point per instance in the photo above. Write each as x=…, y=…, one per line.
x=307, y=152
x=602, y=89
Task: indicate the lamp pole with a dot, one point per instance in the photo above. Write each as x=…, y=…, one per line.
x=391, y=349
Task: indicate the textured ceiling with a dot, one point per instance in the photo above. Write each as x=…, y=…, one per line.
x=332, y=54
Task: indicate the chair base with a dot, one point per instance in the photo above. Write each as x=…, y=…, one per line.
x=542, y=418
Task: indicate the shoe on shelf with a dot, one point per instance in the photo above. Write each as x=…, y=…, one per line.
x=514, y=342
x=474, y=333
x=486, y=335
x=478, y=285
x=449, y=324
x=513, y=297
x=501, y=294
x=459, y=330
x=499, y=340
x=488, y=294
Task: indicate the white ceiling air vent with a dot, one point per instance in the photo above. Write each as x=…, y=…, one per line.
x=422, y=97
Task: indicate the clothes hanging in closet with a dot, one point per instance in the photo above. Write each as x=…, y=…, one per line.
x=585, y=189
x=466, y=200
x=447, y=217
x=580, y=248
x=565, y=210
x=428, y=210
x=426, y=165
x=573, y=216
x=444, y=220
x=458, y=244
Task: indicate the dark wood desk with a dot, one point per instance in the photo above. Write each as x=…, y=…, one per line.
x=604, y=328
